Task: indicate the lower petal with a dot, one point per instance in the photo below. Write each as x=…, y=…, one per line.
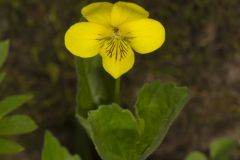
x=145, y=35
x=82, y=39
x=117, y=57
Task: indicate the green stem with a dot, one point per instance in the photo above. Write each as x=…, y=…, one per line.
x=117, y=90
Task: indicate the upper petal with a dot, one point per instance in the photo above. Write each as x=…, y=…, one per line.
x=98, y=12
x=117, y=57
x=82, y=39
x=145, y=35
x=123, y=12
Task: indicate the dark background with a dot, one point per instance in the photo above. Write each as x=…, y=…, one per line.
x=201, y=51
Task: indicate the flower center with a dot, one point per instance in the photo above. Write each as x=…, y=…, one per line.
x=115, y=45
x=116, y=33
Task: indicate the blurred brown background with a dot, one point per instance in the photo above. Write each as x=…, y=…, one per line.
x=202, y=51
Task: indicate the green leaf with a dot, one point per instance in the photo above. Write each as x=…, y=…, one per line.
x=17, y=124
x=54, y=151
x=9, y=147
x=221, y=149
x=4, y=46
x=95, y=86
x=196, y=156
x=118, y=135
x=114, y=132
x=157, y=107
x=11, y=103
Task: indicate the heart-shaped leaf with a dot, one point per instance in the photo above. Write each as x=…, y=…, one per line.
x=118, y=135
x=114, y=132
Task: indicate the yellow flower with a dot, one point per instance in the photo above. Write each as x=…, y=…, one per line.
x=114, y=31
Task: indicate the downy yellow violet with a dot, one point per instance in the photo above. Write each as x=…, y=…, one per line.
x=114, y=31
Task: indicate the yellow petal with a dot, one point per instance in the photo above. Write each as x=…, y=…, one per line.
x=123, y=12
x=98, y=12
x=145, y=35
x=117, y=57
x=82, y=39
